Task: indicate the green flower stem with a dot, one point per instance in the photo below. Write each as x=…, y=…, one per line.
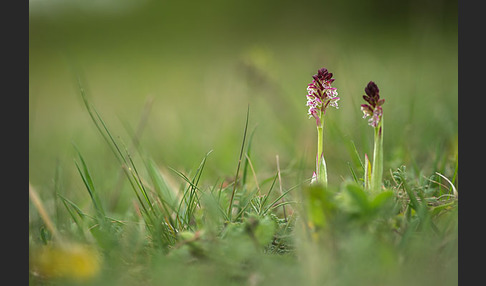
x=377, y=169
x=321, y=170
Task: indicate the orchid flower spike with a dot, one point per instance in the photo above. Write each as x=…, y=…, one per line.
x=373, y=108
x=375, y=111
x=320, y=94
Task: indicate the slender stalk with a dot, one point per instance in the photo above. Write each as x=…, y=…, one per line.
x=238, y=167
x=280, y=185
x=34, y=197
x=367, y=173
x=377, y=169
x=321, y=170
x=320, y=147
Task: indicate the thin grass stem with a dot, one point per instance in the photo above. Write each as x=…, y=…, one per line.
x=239, y=163
x=34, y=197
x=280, y=187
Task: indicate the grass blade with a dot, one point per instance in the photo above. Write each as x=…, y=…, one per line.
x=88, y=182
x=238, y=167
x=34, y=197
x=247, y=157
x=190, y=197
x=268, y=194
x=355, y=151
x=280, y=187
x=68, y=205
x=355, y=178
x=162, y=188
x=134, y=143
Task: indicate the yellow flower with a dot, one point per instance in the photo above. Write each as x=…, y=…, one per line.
x=73, y=261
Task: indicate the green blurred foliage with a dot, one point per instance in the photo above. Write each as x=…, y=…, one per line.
x=200, y=64
x=203, y=62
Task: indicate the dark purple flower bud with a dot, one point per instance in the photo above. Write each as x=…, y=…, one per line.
x=374, y=109
x=372, y=90
x=368, y=99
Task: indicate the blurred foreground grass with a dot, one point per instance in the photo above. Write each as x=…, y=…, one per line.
x=189, y=72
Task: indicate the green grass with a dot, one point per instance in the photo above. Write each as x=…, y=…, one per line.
x=235, y=232
x=185, y=158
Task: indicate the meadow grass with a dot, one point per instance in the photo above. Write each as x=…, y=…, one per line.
x=161, y=166
x=245, y=229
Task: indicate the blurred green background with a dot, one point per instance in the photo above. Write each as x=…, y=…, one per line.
x=202, y=63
